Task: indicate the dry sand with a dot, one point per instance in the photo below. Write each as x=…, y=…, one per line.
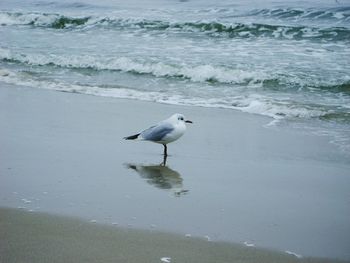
x=35, y=237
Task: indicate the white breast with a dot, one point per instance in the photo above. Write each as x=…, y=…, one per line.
x=179, y=130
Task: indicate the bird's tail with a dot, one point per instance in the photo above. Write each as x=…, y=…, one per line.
x=132, y=137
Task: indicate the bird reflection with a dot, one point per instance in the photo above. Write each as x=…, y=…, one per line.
x=161, y=177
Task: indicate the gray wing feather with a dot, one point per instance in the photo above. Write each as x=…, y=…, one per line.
x=158, y=132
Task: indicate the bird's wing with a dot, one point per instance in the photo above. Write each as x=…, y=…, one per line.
x=157, y=133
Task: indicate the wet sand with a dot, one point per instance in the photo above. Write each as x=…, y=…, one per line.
x=229, y=178
x=36, y=237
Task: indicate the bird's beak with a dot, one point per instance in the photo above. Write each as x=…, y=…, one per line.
x=188, y=121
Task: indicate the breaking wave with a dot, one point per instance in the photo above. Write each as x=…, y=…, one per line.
x=206, y=73
x=201, y=73
x=41, y=20
x=257, y=104
x=213, y=29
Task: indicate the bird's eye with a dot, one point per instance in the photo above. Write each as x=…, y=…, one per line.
x=181, y=118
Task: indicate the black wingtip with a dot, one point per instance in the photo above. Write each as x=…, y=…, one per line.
x=132, y=137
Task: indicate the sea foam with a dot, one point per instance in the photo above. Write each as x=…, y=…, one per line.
x=257, y=104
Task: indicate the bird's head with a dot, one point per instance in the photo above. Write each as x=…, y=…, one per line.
x=177, y=117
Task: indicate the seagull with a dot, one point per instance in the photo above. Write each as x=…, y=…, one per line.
x=164, y=132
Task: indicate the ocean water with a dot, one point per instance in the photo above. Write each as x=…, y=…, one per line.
x=289, y=60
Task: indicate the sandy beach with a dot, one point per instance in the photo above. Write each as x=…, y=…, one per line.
x=35, y=237
x=231, y=178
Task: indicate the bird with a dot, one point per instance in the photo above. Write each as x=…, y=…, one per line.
x=164, y=132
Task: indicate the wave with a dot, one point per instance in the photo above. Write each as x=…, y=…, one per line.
x=213, y=29
x=336, y=14
x=256, y=104
x=206, y=73
x=41, y=20
x=285, y=83
x=201, y=73
x=337, y=88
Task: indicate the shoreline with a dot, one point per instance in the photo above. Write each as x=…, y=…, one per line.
x=239, y=181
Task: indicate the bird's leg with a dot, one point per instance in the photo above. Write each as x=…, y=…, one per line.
x=165, y=150
x=164, y=160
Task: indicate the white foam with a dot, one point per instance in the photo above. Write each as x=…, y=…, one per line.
x=246, y=243
x=166, y=259
x=293, y=254
x=265, y=106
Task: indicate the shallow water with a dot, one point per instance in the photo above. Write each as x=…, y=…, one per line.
x=288, y=60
